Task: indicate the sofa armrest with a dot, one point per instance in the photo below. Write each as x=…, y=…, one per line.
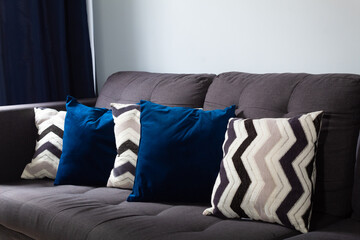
x=18, y=136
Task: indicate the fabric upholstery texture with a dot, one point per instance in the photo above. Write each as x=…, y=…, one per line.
x=179, y=153
x=89, y=146
x=48, y=148
x=347, y=229
x=127, y=136
x=356, y=191
x=290, y=94
x=268, y=170
x=18, y=131
x=176, y=90
x=7, y=234
x=41, y=211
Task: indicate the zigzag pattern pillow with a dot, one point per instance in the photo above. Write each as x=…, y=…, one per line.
x=48, y=149
x=127, y=135
x=268, y=170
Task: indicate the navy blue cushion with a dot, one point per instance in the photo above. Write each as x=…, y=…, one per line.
x=88, y=145
x=179, y=153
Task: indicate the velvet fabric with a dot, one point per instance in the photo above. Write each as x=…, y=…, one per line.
x=45, y=51
x=18, y=131
x=179, y=153
x=88, y=146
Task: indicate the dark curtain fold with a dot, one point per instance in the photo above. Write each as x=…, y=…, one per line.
x=44, y=51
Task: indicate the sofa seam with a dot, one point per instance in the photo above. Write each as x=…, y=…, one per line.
x=293, y=90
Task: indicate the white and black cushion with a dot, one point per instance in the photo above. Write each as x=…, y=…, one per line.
x=127, y=135
x=268, y=170
x=48, y=149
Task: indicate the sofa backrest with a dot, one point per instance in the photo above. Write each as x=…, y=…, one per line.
x=182, y=90
x=287, y=95
x=269, y=95
x=356, y=192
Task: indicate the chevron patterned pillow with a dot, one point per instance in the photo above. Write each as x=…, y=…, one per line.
x=127, y=135
x=268, y=170
x=48, y=148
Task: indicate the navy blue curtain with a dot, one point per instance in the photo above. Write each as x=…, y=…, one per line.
x=44, y=51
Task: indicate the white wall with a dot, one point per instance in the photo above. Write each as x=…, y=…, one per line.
x=213, y=36
x=90, y=18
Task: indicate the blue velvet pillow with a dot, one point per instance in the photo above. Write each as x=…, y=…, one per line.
x=88, y=145
x=179, y=153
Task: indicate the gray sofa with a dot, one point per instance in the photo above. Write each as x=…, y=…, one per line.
x=36, y=209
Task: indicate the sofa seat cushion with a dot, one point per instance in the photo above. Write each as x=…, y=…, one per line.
x=7, y=234
x=347, y=229
x=42, y=211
